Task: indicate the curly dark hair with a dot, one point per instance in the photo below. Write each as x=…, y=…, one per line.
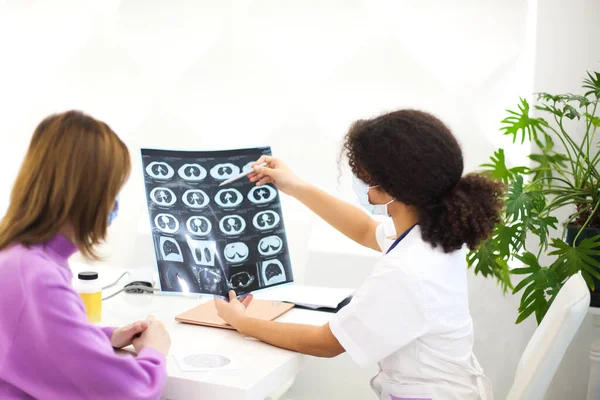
x=415, y=158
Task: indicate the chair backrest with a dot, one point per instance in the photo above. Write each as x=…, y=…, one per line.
x=548, y=345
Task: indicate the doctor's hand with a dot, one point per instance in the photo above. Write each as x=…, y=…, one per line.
x=233, y=311
x=155, y=336
x=277, y=173
x=124, y=336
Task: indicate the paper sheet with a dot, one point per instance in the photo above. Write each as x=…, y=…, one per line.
x=307, y=296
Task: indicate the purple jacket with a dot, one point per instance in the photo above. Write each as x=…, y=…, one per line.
x=48, y=349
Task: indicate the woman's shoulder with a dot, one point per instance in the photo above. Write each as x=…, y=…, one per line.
x=28, y=263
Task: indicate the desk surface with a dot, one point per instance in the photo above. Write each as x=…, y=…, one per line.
x=261, y=368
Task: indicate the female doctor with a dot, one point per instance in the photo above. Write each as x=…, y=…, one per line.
x=411, y=315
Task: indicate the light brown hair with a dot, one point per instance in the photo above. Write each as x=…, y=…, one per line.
x=74, y=169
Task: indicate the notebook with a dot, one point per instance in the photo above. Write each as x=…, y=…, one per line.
x=313, y=297
x=206, y=314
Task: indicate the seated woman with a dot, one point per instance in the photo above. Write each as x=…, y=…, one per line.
x=411, y=315
x=63, y=201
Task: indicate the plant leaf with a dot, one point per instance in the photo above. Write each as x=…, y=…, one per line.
x=499, y=170
x=588, y=279
x=487, y=261
x=526, y=313
x=521, y=122
x=583, y=101
x=580, y=257
x=570, y=112
x=541, y=285
x=520, y=200
x=593, y=119
x=525, y=282
x=538, y=221
x=555, y=98
x=506, y=239
x=592, y=83
x=530, y=260
x=550, y=109
x=540, y=225
x=504, y=275
x=547, y=163
x=528, y=293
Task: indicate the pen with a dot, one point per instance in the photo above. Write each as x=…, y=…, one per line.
x=241, y=175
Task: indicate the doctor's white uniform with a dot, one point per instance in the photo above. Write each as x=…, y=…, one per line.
x=411, y=316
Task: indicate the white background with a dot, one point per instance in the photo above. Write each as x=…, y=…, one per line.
x=294, y=74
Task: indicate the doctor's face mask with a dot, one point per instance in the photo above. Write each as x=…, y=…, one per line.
x=115, y=211
x=362, y=192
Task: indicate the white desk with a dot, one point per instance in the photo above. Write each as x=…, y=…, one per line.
x=263, y=369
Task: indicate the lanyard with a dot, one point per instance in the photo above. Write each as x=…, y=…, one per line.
x=406, y=232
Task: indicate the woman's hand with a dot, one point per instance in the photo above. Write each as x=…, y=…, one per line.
x=124, y=336
x=277, y=173
x=233, y=311
x=155, y=336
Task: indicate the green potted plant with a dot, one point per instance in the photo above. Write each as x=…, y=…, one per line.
x=564, y=173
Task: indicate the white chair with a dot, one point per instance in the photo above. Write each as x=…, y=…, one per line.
x=548, y=345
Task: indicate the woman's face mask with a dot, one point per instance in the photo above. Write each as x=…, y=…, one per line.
x=115, y=211
x=362, y=191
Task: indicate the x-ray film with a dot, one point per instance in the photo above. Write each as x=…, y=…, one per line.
x=210, y=239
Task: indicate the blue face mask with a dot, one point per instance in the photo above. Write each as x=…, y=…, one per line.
x=362, y=192
x=115, y=211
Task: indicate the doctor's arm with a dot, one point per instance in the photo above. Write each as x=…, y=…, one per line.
x=345, y=217
x=316, y=341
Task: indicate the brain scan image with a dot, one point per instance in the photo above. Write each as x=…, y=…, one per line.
x=170, y=250
x=211, y=280
x=160, y=171
x=232, y=225
x=265, y=220
x=270, y=245
x=228, y=198
x=195, y=198
x=198, y=225
x=262, y=194
x=272, y=272
x=163, y=196
x=241, y=280
x=236, y=252
x=192, y=172
x=203, y=251
x=224, y=171
x=166, y=223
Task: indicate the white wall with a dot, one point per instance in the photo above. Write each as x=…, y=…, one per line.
x=294, y=75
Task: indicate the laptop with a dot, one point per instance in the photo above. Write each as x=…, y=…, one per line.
x=206, y=313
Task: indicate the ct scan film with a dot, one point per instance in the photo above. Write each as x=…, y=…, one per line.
x=211, y=239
